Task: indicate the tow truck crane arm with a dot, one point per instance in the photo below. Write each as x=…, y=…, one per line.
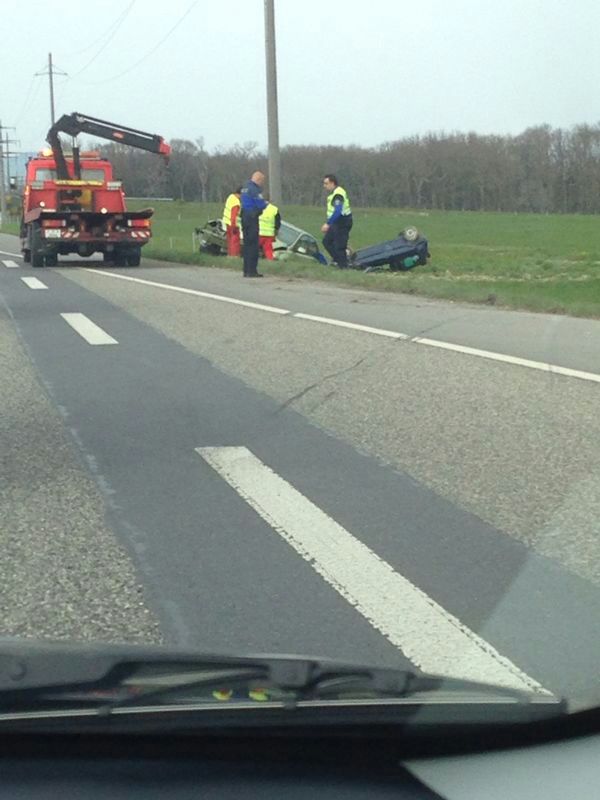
x=75, y=123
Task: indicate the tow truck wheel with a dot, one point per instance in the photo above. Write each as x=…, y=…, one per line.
x=51, y=260
x=37, y=259
x=134, y=256
x=120, y=259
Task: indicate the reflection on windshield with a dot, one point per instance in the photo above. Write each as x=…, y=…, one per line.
x=375, y=447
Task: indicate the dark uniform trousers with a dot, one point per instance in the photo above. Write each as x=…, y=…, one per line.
x=335, y=240
x=250, y=231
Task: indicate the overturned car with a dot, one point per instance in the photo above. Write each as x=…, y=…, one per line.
x=289, y=240
x=405, y=252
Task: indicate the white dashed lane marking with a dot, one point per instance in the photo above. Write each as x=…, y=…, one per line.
x=87, y=329
x=34, y=283
x=426, y=633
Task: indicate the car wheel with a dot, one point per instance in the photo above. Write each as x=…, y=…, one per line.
x=411, y=234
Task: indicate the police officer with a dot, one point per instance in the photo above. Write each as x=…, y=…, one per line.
x=253, y=204
x=232, y=222
x=339, y=221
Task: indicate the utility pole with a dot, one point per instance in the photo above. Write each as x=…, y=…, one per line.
x=272, y=112
x=3, y=142
x=2, y=188
x=51, y=72
x=8, y=154
x=51, y=87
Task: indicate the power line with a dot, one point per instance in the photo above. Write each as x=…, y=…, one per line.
x=116, y=25
x=150, y=52
x=27, y=98
x=28, y=92
x=32, y=108
x=96, y=41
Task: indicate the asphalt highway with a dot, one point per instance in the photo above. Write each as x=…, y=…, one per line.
x=278, y=466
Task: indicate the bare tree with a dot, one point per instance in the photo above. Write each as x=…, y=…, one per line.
x=540, y=170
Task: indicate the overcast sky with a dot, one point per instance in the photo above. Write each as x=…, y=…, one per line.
x=349, y=72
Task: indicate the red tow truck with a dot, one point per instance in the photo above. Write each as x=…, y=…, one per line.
x=73, y=204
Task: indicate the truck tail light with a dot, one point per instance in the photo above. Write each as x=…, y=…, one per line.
x=53, y=223
x=139, y=223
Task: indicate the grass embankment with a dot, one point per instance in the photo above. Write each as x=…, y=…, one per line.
x=10, y=227
x=529, y=261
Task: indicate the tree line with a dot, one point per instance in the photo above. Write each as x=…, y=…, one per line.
x=542, y=170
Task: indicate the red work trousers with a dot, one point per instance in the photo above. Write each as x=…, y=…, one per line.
x=233, y=241
x=266, y=245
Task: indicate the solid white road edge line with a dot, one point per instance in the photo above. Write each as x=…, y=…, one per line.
x=14, y=255
x=515, y=360
x=34, y=283
x=426, y=633
x=87, y=329
x=352, y=325
x=457, y=348
x=196, y=292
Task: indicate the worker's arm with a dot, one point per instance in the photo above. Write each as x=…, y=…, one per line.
x=252, y=199
x=277, y=221
x=236, y=221
x=338, y=205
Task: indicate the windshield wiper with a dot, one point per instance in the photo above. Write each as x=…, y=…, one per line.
x=42, y=677
x=296, y=681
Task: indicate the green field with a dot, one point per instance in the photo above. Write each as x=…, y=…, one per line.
x=530, y=261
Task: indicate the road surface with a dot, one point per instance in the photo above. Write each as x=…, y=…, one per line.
x=276, y=466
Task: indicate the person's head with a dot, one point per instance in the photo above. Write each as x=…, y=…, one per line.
x=330, y=182
x=238, y=191
x=258, y=178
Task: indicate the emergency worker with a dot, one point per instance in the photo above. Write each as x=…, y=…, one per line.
x=232, y=222
x=268, y=224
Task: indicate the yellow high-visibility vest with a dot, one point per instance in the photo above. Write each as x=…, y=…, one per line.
x=346, y=210
x=232, y=201
x=266, y=221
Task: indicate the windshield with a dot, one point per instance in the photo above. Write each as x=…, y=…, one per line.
x=306, y=244
x=288, y=235
x=327, y=385
x=43, y=174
